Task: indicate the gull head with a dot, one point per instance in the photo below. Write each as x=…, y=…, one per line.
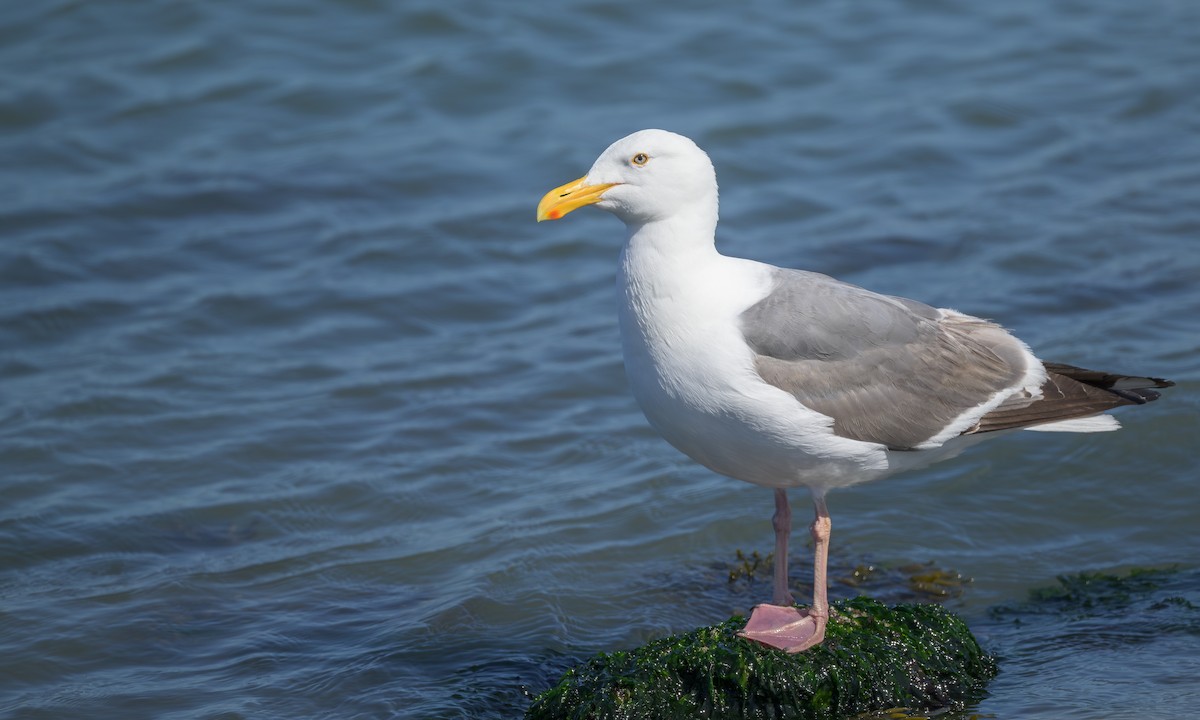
x=645, y=177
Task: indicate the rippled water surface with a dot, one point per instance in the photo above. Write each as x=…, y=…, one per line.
x=301, y=415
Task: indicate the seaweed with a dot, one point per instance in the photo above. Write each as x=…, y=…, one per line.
x=909, y=582
x=1088, y=594
x=874, y=658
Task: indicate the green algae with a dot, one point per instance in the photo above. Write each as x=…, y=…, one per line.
x=909, y=582
x=1089, y=594
x=874, y=658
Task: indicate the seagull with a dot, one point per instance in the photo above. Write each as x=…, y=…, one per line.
x=786, y=378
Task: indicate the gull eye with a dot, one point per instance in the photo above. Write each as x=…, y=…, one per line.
x=640, y=159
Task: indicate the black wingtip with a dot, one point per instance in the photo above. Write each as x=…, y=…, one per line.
x=1140, y=396
x=1135, y=388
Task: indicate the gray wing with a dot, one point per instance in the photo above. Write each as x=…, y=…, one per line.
x=887, y=370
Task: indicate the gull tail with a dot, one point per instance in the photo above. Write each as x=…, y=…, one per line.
x=1072, y=400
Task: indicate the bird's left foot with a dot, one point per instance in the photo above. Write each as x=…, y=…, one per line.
x=788, y=628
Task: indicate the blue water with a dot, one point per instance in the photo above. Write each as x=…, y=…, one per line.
x=301, y=415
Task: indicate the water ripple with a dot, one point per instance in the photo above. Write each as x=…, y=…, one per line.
x=302, y=415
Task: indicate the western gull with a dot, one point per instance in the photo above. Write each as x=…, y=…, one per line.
x=785, y=378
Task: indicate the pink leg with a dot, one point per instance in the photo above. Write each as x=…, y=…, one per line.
x=782, y=522
x=821, y=528
x=789, y=628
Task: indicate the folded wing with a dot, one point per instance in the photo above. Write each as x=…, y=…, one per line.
x=903, y=374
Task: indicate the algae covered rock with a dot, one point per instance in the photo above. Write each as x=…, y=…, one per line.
x=874, y=657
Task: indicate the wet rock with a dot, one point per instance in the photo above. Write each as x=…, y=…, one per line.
x=875, y=657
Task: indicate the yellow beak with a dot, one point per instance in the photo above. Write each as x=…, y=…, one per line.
x=565, y=198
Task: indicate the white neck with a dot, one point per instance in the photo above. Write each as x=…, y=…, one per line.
x=661, y=258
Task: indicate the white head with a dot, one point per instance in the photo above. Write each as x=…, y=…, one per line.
x=645, y=177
